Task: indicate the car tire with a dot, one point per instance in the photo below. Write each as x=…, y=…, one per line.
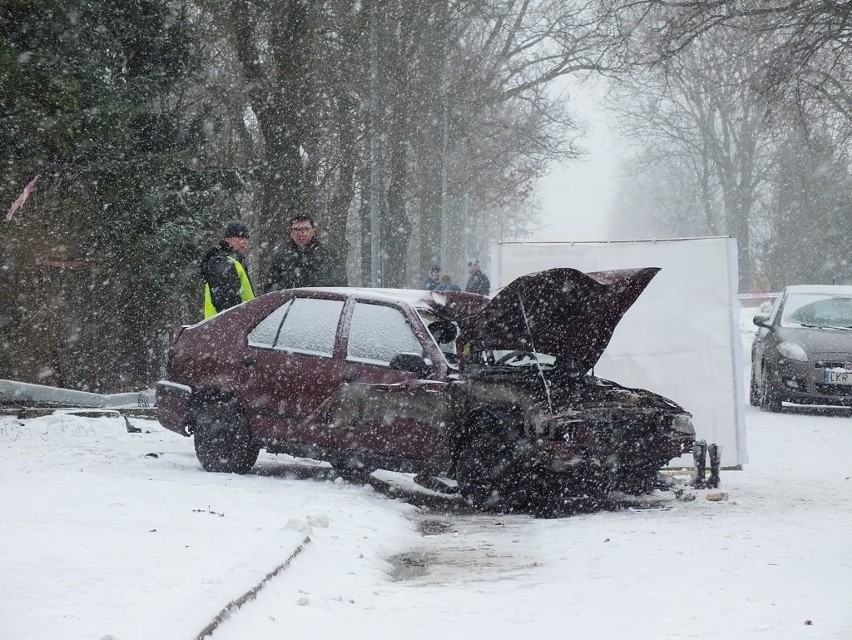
x=223, y=440
x=496, y=471
x=754, y=390
x=481, y=468
x=770, y=400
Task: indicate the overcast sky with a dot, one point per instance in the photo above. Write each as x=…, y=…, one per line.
x=576, y=196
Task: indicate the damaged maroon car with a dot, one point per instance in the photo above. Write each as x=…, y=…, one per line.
x=496, y=396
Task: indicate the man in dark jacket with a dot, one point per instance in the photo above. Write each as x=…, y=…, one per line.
x=226, y=282
x=478, y=282
x=433, y=279
x=304, y=262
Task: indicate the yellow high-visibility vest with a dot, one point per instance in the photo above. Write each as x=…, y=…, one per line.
x=246, y=292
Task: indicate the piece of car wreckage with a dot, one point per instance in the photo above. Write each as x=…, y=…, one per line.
x=497, y=394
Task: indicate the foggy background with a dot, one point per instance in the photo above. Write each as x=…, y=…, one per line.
x=577, y=196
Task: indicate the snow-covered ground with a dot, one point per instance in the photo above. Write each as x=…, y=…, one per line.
x=113, y=535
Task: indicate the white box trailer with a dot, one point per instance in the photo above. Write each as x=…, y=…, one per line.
x=681, y=339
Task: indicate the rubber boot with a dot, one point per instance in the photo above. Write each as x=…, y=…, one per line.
x=699, y=456
x=715, y=453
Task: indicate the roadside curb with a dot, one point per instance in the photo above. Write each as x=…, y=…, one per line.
x=234, y=605
x=25, y=412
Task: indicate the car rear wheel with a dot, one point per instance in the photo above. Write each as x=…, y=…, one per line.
x=770, y=400
x=223, y=441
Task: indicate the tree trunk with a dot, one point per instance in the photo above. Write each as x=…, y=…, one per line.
x=396, y=227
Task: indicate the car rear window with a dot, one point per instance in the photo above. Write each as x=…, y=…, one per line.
x=305, y=325
x=377, y=333
x=264, y=334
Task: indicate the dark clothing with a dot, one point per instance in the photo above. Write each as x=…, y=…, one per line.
x=447, y=286
x=478, y=283
x=430, y=283
x=236, y=229
x=314, y=266
x=221, y=275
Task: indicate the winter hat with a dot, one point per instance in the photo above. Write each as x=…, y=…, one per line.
x=236, y=229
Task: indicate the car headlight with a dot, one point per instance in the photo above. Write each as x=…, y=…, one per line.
x=683, y=424
x=792, y=351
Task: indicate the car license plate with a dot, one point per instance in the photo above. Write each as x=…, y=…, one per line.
x=832, y=376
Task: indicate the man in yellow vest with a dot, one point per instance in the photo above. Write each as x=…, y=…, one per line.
x=226, y=282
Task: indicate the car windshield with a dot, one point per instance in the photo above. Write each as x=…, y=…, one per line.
x=819, y=310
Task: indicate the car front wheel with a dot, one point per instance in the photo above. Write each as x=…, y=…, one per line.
x=496, y=471
x=223, y=441
x=770, y=400
x=754, y=390
x=483, y=470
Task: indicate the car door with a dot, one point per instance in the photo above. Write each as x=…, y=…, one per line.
x=291, y=368
x=391, y=412
x=763, y=340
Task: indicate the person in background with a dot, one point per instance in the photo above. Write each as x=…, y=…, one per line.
x=478, y=282
x=447, y=284
x=433, y=279
x=226, y=281
x=304, y=261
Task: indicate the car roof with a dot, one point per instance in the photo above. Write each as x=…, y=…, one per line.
x=831, y=289
x=411, y=296
x=448, y=303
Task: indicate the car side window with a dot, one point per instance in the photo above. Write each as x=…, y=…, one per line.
x=264, y=334
x=378, y=332
x=310, y=326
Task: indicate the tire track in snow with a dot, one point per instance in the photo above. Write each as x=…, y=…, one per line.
x=234, y=605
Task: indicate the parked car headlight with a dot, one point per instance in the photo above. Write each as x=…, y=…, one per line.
x=792, y=351
x=683, y=424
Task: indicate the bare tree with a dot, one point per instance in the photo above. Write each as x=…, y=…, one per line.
x=809, y=56
x=807, y=236
x=702, y=109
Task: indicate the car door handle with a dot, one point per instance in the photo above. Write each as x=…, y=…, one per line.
x=249, y=361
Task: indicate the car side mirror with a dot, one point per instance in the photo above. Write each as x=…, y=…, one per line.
x=411, y=362
x=761, y=320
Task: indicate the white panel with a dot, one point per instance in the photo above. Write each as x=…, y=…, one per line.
x=681, y=338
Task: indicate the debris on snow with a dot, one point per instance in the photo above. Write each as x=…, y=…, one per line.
x=717, y=496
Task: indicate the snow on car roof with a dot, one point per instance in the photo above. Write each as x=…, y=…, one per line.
x=417, y=298
x=411, y=296
x=832, y=289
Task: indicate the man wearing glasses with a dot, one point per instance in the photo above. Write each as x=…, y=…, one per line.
x=304, y=262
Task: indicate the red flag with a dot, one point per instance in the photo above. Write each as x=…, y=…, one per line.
x=17, y=204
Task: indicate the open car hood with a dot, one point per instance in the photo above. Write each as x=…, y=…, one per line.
x=562, y=312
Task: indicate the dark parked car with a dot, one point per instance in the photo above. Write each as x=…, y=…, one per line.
x=498, y=394
x=802, y=352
